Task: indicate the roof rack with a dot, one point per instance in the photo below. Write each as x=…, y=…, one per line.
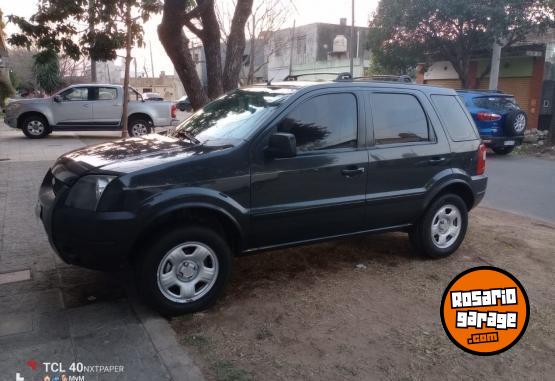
x=339, y=76
x=479, y=91
x=387, y=78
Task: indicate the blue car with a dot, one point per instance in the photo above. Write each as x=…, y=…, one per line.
x=500, y=120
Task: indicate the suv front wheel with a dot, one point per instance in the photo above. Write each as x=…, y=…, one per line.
x=441, y=230
x=184, y=271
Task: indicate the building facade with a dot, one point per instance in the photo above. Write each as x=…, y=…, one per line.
x=317, y=48
x=524, y=71
x=168, y=86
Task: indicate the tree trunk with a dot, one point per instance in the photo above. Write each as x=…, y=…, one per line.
x=210, y=37
x=128, y=43
x=236, y=44
x=252, y=56
x=176, y=45
x=91, y=31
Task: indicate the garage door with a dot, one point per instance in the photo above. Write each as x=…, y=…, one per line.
x=450, y=83
x=519, y=87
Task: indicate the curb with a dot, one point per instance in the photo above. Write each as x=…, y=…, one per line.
x=174, y=357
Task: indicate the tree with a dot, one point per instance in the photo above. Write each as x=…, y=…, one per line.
x=94, y=28
x=6, y=88
x=403, y=32
x=46, y=69
x=266, y=17
x=201, y=20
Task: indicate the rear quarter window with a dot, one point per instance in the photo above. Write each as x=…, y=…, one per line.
x=454, y=118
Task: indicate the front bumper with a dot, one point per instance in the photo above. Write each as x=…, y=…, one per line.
x=95, y=240
x=10, y=121
x=502, y=141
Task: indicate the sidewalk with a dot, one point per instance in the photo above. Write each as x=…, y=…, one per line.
x=53, y=312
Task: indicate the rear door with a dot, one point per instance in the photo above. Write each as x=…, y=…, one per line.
x=75, y=109
x=107, y=108
x=408, y=153
x=321, y=191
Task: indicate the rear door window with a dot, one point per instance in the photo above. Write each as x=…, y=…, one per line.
x=454, y=118
x=398, y=118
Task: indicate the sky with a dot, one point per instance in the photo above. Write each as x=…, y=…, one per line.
x=304, y=12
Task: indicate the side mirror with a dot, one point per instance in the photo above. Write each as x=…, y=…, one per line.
x=282, y=145
x=57, y=98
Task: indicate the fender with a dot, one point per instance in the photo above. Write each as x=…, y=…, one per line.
x=443, y=180
x=44, y=111
x=175, y=199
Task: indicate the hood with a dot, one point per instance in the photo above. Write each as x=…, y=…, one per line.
x=30, y=100
x=129, y=155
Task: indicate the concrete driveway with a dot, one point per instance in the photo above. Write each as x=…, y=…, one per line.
x=521, y=184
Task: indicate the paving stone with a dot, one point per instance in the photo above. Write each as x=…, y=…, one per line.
x=15, y=323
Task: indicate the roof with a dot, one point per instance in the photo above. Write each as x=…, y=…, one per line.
x=358, y=83
x=483, y=93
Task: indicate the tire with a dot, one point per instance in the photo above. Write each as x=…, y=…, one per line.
x=35, y=127
x=421, y=236
x=503, y=150
x=515, y=123
x=177, y=257
x=138, y=126
x=181, y=108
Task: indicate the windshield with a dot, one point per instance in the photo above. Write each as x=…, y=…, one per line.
x=497, y=103
x=233, y=116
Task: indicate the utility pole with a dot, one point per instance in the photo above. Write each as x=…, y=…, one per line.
x=495, y=61
x=352, y=40
x=91, y=31
x=291, y=50
x=151, y=64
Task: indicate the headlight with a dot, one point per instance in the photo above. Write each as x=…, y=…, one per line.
x=86, y=193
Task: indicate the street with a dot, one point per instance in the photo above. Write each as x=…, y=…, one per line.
x=71, y=314
x=521, y=184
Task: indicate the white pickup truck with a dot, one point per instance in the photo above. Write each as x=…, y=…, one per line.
x=88, y=108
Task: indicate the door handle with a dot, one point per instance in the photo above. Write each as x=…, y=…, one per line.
x=86, y=105
x=436, y=160
x=350, y=172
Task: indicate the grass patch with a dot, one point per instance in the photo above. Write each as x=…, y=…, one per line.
x=199, y=342
x=227, y=371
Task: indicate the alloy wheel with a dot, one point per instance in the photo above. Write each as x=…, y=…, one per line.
x=35, y=127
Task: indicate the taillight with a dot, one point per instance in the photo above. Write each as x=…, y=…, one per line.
x=481, y=162
x=488, y=117
x=174, y=110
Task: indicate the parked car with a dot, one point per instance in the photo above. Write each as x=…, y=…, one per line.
x=266, y=167
x=152, y=97
x=87, y=108
x=500, y=120
x=183, y=104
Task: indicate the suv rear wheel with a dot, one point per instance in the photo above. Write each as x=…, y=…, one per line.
x=184, y=271
x=441, y=230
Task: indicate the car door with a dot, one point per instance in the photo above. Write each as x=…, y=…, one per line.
x=407, y=152
x=319, y=192
x=107, y=107
x=74, y=108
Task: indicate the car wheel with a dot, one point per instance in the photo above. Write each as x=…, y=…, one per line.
x=139, y=127
x=184, y=271
x=503, y=150
x=441, y=230
x=515, y=123
x=35, y=127
x=181, y=108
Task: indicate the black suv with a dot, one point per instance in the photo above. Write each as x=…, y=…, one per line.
x=266, y=167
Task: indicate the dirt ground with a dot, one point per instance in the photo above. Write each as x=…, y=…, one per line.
x=366, y=308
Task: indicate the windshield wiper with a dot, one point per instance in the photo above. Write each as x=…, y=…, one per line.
x=186, y=135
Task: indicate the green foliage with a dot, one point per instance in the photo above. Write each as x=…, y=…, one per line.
x=46, y=69
x=63, y=26
x=404, y=32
